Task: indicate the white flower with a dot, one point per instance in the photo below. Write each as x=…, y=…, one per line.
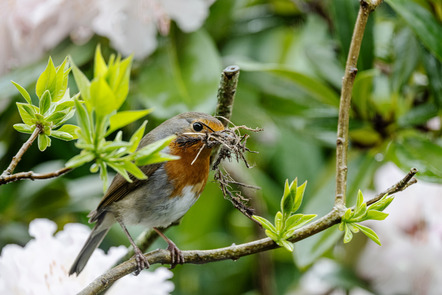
x=321, y=279
x=28, y=28
x=132, y=26
x=41, y=267
x=411, y=236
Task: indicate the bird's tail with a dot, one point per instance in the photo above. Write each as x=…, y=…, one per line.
x=94, y=240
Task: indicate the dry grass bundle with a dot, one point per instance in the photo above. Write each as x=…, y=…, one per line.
x=232, y=145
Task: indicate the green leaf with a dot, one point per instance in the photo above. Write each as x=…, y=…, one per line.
x=81, y=159
x=369, y=233
x=114, y=145
x=344, y=15
x=286, y=244
x=83, y=84
x=103, y=174
x=70, y=129
x=119, y=77
x=24, y=128
x=317, y=90
x=136, y=137
x=23, y=92
x=361, y=208
x=415, y=150
x=148, y=154
x=61, y=80
x=100, y=67
x=299, y=196
x=265, y=223
x=56, y=117
x=433, y=68
x=422, y=22
x=61, y=135
x=43, y=142
x=27, y=113
x=46, y=81
x=157, y=157
x=375, y=215
x=348, y=235
x=134, y=170
x=288, y=198
x=45, y=102
x=84, y=122
x=64, y=106
x=352, y=227
x=296, y=221
x=69, y=115
x=362, y=92
x=279, y=222
x=407, y=53
x=103, y=99
x=272, y=235
x=382, y=203
x=118, y=167
x=123, y=118
x=347, y=215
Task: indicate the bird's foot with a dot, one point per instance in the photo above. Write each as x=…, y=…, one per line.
x=176, y=256
x=142, y=261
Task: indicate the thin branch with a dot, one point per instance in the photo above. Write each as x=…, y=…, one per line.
x=400, y=186
x=345, y=101
x=17, y=158
x=32, y=176
x=226, y=93
x=234, y=252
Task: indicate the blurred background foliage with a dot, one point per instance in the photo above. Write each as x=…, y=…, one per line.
x=292, y=56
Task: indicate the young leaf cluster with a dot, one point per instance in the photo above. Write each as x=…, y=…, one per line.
x=351, y=218
x=98, y=117
x=55, y=106
x=286, y=222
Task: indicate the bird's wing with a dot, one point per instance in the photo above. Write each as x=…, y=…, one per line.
x=120, y=188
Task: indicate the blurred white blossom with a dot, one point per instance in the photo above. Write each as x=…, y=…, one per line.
x=321, y=279
x=409, y=260
x=41, y=267
x=28, y=28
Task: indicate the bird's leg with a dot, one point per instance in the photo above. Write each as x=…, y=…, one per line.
x=176, y=256
x=141, y=260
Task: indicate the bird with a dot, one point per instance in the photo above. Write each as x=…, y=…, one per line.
x=170, y=190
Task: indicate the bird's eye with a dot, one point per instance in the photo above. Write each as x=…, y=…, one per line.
x=197, y=126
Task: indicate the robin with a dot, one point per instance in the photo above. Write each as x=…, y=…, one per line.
x=165, y=196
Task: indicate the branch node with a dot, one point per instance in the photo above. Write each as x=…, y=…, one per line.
x=353, y=71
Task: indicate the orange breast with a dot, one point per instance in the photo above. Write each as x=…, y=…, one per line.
x=183, y=172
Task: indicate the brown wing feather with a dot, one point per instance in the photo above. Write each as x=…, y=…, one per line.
x=120, y=188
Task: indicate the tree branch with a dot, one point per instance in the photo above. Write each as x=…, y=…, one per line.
x=365, y=9
x=226, y=94
x=233, y=252
x=7, y=175
x=17, y=158
x=400, y=186
x=4, y=179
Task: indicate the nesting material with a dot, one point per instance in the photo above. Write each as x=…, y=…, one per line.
x=232, y=145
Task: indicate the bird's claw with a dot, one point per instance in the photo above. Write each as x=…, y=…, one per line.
x=142, y=261
x=176, y=256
